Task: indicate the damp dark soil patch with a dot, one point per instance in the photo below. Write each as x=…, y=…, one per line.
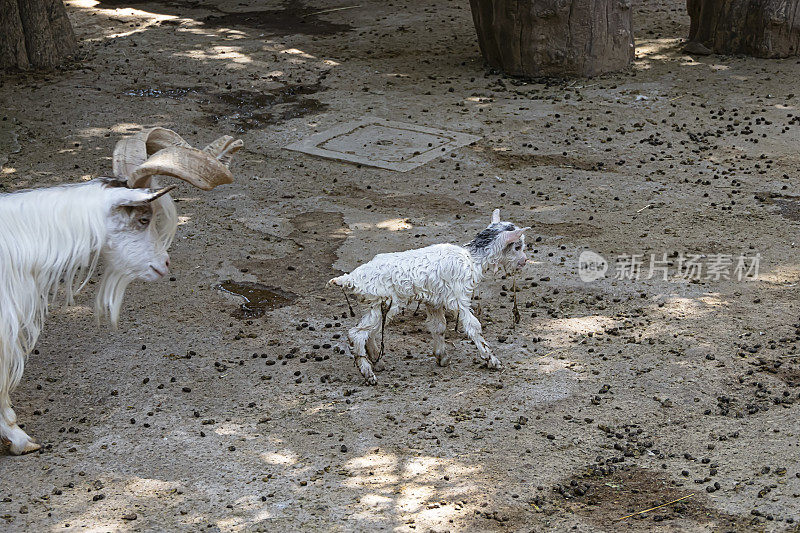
x=258, y=298
x=788, y=206
x=244, y=109
x=513, y=160
x=249, y=110
x=317, y=236
x=176, y=93
x=786, y=368
x=295, y=18
x=606, y=494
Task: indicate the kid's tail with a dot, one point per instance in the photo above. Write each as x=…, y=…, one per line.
x=341, y=281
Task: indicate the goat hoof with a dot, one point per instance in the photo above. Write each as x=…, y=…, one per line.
x=29, y=447
x=494, y=364
x=21, y=448
x=443, y=361
x=371, y=380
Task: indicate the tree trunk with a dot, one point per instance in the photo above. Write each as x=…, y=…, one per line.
x=763, y=28
x=554, y=37
x=34, y=34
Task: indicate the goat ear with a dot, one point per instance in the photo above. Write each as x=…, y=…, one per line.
x=495, y=216
x=514, y=235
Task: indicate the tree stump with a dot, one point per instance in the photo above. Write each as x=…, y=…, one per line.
x=554, y=38
x=763, y=28
x=34, y=34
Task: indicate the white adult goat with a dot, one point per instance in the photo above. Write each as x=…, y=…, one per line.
x=442, y=276
x=48, y=235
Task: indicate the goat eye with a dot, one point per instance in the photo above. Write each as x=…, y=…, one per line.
x=144, y=221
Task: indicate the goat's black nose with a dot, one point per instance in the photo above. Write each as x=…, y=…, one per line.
x=167, y=263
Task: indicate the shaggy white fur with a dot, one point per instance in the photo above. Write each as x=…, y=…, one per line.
x=49, y=236
x=442, y=276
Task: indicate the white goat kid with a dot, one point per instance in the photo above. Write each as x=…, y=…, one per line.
x=442, y=277
x=48, y=236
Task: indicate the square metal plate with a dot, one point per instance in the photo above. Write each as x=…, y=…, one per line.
x=383, y=143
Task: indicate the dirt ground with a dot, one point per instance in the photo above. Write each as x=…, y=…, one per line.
x=617, y=395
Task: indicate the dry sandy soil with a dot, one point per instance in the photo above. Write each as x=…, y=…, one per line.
x=617, y=395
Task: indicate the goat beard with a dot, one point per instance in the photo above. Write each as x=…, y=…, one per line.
x=110, y=295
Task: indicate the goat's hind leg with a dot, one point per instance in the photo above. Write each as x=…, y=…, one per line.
x=388, y=311
x=360, y=337
x=373, y=351
x=12, y=435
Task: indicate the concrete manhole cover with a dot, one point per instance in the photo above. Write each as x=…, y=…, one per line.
x=383, y=143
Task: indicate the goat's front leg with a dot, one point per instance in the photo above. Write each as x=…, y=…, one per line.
x=12, y=435
x=359, y=336
x=437, y=325
x=473, y=330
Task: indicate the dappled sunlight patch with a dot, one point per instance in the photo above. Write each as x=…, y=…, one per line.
x=195, y=28
x=582, y=325
x=341, y=232
x=150, y=487
x=781, y=276
x=122, y=128
x=280, y=458
x=373, y=461
x=298, y=53
x=234, y=430
x=392, y=224
x=413, y=497
x=374, y=469
x=227, y=53
x=682, y=307
x=145, y=19
x=658, y=49
x=254, y=514
x=412, y=490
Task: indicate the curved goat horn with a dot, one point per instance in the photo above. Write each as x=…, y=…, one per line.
x=159, y=151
